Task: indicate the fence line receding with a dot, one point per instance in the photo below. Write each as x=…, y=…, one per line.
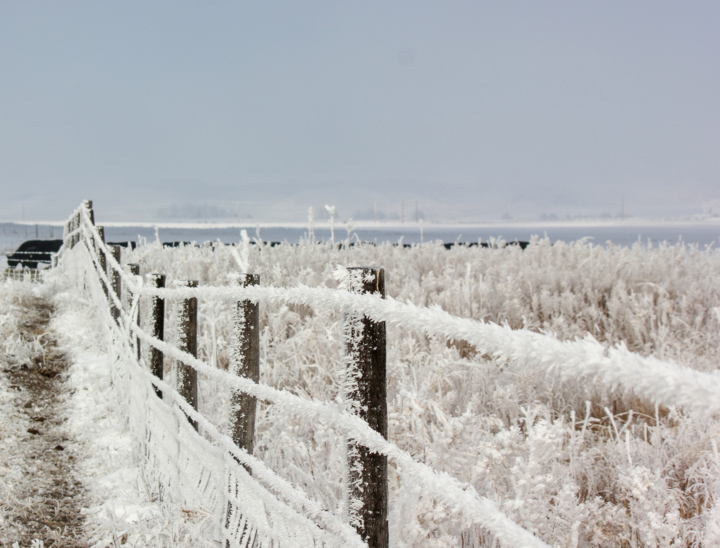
x=250, y=503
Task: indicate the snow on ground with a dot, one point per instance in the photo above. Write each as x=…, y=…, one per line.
x=122, y=510
x=113, y=499
x=13, y=431
x=40, y=495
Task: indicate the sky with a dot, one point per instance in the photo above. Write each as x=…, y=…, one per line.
x=471, y=110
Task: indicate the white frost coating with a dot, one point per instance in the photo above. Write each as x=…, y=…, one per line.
x=640, y=265
x=331, y=211
x=263, y=474
x=242, y=258
x=664, y=383
x=460, y=500
x=352, y=280
x=303, y=507
x=661, y=382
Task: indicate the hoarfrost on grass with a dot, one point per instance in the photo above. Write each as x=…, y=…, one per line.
x=572, y=460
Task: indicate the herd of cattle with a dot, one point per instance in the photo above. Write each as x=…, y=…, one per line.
x=34, y=253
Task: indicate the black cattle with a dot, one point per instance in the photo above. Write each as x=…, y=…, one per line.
x=522, y=245
x=209, y=243
x=131, y=245
x=32, y=252
x=271, y=244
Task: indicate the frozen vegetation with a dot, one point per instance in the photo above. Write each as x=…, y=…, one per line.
x=573, y=459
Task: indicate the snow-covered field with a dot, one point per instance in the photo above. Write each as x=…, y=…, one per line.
x=574, y=461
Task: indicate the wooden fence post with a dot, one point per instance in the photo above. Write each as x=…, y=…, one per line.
x=187, y=375
x=91, y=214
x=135, y=271
x=245, y=362
x=115, y=284
x=77, y=225
x=158, y=330
x=103, y=260
x=367, y=390
x=72, y=227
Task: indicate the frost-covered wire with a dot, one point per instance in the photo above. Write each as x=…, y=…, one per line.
x=460, y=500
x=300, y=507
x=661, y=382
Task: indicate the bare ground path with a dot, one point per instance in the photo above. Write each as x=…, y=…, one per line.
x=40, y=497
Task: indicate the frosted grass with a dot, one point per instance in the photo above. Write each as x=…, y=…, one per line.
x=576, y=463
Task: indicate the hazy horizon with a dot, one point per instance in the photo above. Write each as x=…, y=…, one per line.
x=475, y=111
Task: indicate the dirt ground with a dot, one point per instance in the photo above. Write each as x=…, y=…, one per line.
x=43, y=500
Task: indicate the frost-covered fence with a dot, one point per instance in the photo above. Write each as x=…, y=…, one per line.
x=661, y=382
x=249, y=504
x=22, y=274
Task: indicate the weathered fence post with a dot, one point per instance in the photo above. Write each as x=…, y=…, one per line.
x=115, y=285
x=245, y=362
x=135, y=271
x=91, y=214
x=71, y=224
x=158, y=330
x=77, y=226
x=366, y=389
x=88, y=204
x=187, y=375
x=102, y=258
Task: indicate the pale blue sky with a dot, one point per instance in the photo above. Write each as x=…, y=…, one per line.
x=555, y=107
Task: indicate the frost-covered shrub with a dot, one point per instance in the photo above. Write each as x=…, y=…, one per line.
x=17, y=345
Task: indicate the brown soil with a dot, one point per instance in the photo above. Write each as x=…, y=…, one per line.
x=49, y=499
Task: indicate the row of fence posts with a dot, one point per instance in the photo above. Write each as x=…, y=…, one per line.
x=368, y=471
